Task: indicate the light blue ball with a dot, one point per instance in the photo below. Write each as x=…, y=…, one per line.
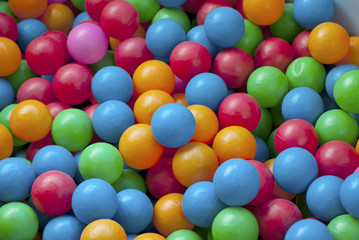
x=201, y=205
x=80, y=18
x=207, y=89
x=236, y=182
x=349, y=194
x=308, y=229
x=29, y=29
x=63, y=227
x=111, y=119
x=171, y=3
x=78, y=177
x=112, y=83
x=262, y=151
x=7, y=94
x=43, y=218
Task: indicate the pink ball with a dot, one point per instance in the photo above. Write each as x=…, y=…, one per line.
x=266, y=183
x=38, y=89
x=95, y=7
x=8, y=27
x=61, y=38
x=57, y=107
x=207, y=7
x=300, y=44
x=233, y=65
x=274, y=52
x=87, y=43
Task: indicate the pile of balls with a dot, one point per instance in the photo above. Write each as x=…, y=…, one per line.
x=178, y=120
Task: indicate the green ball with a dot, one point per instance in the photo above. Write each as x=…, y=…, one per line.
x=268, y=85
x=270, y=143
x=337, y=125
x=344, y=227
x=18, y=221
x=130, y=179
x=175, y=14
x=306, y=72
x=5, y=120
x=4, y=8
x=72, y=129
x=235, y=223
x=252, y=37
x=107, y=60
x=301, y=202
x=22, y=74
x=184, y=235
x=277, y=116
x=286, y=27
x=346, y=91
x=79, y=4
x=145, y=8
x=264, y=127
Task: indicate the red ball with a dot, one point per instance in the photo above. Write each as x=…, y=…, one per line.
x=296, y=133
x=52, y=192
x=61, y=38
x=38, y=89
x=119, y=19
x=34, y=147
x=189, y=59
x=240, y=109
x=95, y=7
x=131, y=53
x=266, y=183
x=192, y=6
x=72, y=84
x=207, y=7
x=8, y=27
x=300, y=44
x=57, y=107
x=337, y=158
x=274, y=52
x=233, y=65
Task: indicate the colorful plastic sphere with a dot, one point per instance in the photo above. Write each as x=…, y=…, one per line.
x=29, y=29
x=103, y=229
x=52, y=192
x=351, y=58
x=170, y=207
x=58, y=17
x=28, y=9
x=95, y=7
x=252, y=37
x=34, y=147
x=336, y=125
x=262, y=152
x=309, y=14
x=235, y=223
x=334, y=74
x=306, y=229
x=184, y=234
x=207, y=7
x=130, y=179
x=146, y=8
x=264, y=127
x=72, y=129
x=8, y=27
x=344, y=227
x=263, y=12
x=345, y=91
x=328, y=43
x=66, y=226
x=38, y=89
x=171, y=3
x=7, y=94
x=107, y=61
x=22, y=74
x=149, y=236
x=82, y=17
x=57, y=107
x=18, y=221
x=349, y=194
x=300, y=44
x=176, y=14
x=6, y=141
x=11, y=56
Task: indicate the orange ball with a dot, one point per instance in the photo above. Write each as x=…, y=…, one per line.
x=234, y=142
x=139, y=148
x=154, y=74
x=194, y=162
x=263, y=12
x=328, y=43
x=180, y=98
x=149, y=236
x=353, y=55
x=103, y=229
x=58, y=17
x=31, y=120
x=147, y=104
x=28, y=8
x=10, y=56
x=6, y=142
x=168, y=214
x=206, y=123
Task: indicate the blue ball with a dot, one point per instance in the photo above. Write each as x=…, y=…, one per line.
x=163, y=36
x=29, y=29
x=334, y=74
x=224, y=27
x=171, y=3
x=295, y=169
x=134, y=210
x=54, y=157
x=80, y=18
x=236, y=182
x=43, y=218
x=7, y=94
x=94, y=199
x=303, y=103
x=309, y=13
x=201, y=205
x=329, y=103
x=207, y=89
x=63, y=227
x=349, y=194
x=262, y=152
x=173, y=125
x=308, y=229
x=78, y=177
x=112, y=83
x=16, y=178
x=111, y=119
x=323, y=198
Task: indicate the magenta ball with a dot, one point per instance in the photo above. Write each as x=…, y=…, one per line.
x=180, y=85
x=61, y=38
x=57, y=107
x=240, y=109
x=72, y=84
x=300, y=44
x=87, y=43
x=8, y=27
x=233, y=65
x=131, y=53
x=38, y=89
x=274, y=52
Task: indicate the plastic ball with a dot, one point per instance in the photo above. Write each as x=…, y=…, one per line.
x=262, y=152
x=300, y=44
x=4, y=7
x=345, y=93
x=22, y=74
x=66, y=226
x=29, y=29
x=29, y=9
x=306, y=229
x=34, y=147
x=184, y=234
x=83, y=17
x=103, y=229
x=58, y=17
x=11, y=56
x=57, y=107
x=130, y=179
x=263, y=12
x=348, y=194
x=264, y=127
x=95, y=7
x=173, y=13
x=334, y=74
x=351, y=58
x=344, y=227
x=252, y=37
x=6, y=141
x=7, y=94
x=207, y=7
x=8, y=27
x=38, y=89
x=146, y=9
x=171, y=3
x=149, y=236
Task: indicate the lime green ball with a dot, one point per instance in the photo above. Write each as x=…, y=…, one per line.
x=174, y=14
x=346, y=91
x=286, y=27
x=101, y=160
x=145, y=8
x=252, y=37
x=277, y=116
x=72, y=129
x=301, y=202
x=306, y=72
x=18, y=221
x=5, y=120
x=22, y=74
x=268, y=85
x=4, y=8
x=79, y=4
x=344, y=227
x=184, y=235
x=130, y=179
x=270, y=143
x=107, y=60
x=235, y=223
x=264, y=127
x=336, y=125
